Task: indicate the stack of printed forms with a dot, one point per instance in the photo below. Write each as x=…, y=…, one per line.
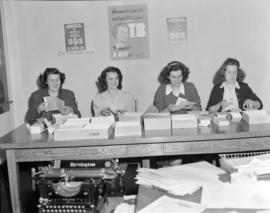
x=131, y=116
x=180, y=180
x=157, y=124
x=219, y=121
x=58, y=118
x=246, y=168
x=256, y=116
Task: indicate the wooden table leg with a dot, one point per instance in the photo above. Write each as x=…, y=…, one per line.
x=14, y=182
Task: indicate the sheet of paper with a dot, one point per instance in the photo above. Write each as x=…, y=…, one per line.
x=172, y=205
x=237, y=195
x=54, y=103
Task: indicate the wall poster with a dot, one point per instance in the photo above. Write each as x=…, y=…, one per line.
x=75, y=37
x=4, y=101
x=128, y=31
x=177, y=30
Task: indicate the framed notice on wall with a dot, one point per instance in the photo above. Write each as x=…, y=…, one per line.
x=177, y=30
x=128, y=31
x=75, y=37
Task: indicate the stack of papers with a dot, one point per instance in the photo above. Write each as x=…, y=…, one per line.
x=221, y=121
x=157, y=124
x=99, y=119
x=61, y=119
x=128, y=129
x=180, y=180
x=235, y=116
x=53, y=103
x=131, y=116
x=244, y=166
x=237, y=195
x=204, y=121
x=256, y=116
x=172, y=205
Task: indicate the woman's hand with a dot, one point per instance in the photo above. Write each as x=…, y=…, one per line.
x=42, y=107
x=250, y=104
x=67, y=110
x=181, y=105
x=105, y=111
x=224, y=103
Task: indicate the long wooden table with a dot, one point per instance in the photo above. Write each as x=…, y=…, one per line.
x=20, y=146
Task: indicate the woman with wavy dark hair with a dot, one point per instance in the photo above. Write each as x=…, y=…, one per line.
x=230, y=93
x=50, y=82
x=112, y=100
x=175, y=94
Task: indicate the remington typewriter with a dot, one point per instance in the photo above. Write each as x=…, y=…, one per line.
x=77, y=186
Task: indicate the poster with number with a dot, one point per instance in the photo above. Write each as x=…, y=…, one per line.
x=75, y=37
x=128, y=31
x=177, y=30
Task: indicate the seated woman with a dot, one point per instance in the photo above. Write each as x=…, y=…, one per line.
x=51, y=82
x=231, y=94
x=175, y=94
x=112, y=100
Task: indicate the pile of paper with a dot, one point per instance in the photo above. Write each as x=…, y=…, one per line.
x=131, y=116
x=53, y=103
x=237, y=195
x=179, y=180
x=58, y=118
x=221, y=121
x=246, y=166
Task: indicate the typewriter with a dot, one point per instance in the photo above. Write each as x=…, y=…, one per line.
x=77, y=186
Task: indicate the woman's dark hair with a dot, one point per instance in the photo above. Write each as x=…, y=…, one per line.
x=173, y=66
x=220, y=74
x=102, y=83
x=44, y=77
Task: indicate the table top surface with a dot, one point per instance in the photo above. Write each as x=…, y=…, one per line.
x=148, y=195
x=20, y=137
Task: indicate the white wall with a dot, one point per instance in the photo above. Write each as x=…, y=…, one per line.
x=216, y=30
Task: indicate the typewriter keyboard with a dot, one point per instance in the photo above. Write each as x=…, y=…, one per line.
x=64, y=209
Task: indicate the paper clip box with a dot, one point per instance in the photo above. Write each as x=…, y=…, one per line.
x=127, y=129
x=157, y=124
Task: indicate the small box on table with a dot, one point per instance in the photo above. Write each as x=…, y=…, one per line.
x=157, y=124
x=256, y=116
x=184, y=124
x=127, y=129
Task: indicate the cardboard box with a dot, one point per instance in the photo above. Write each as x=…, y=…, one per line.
x=89, y=131
x=127, y=129
x=157, y=124
x=256, y=116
